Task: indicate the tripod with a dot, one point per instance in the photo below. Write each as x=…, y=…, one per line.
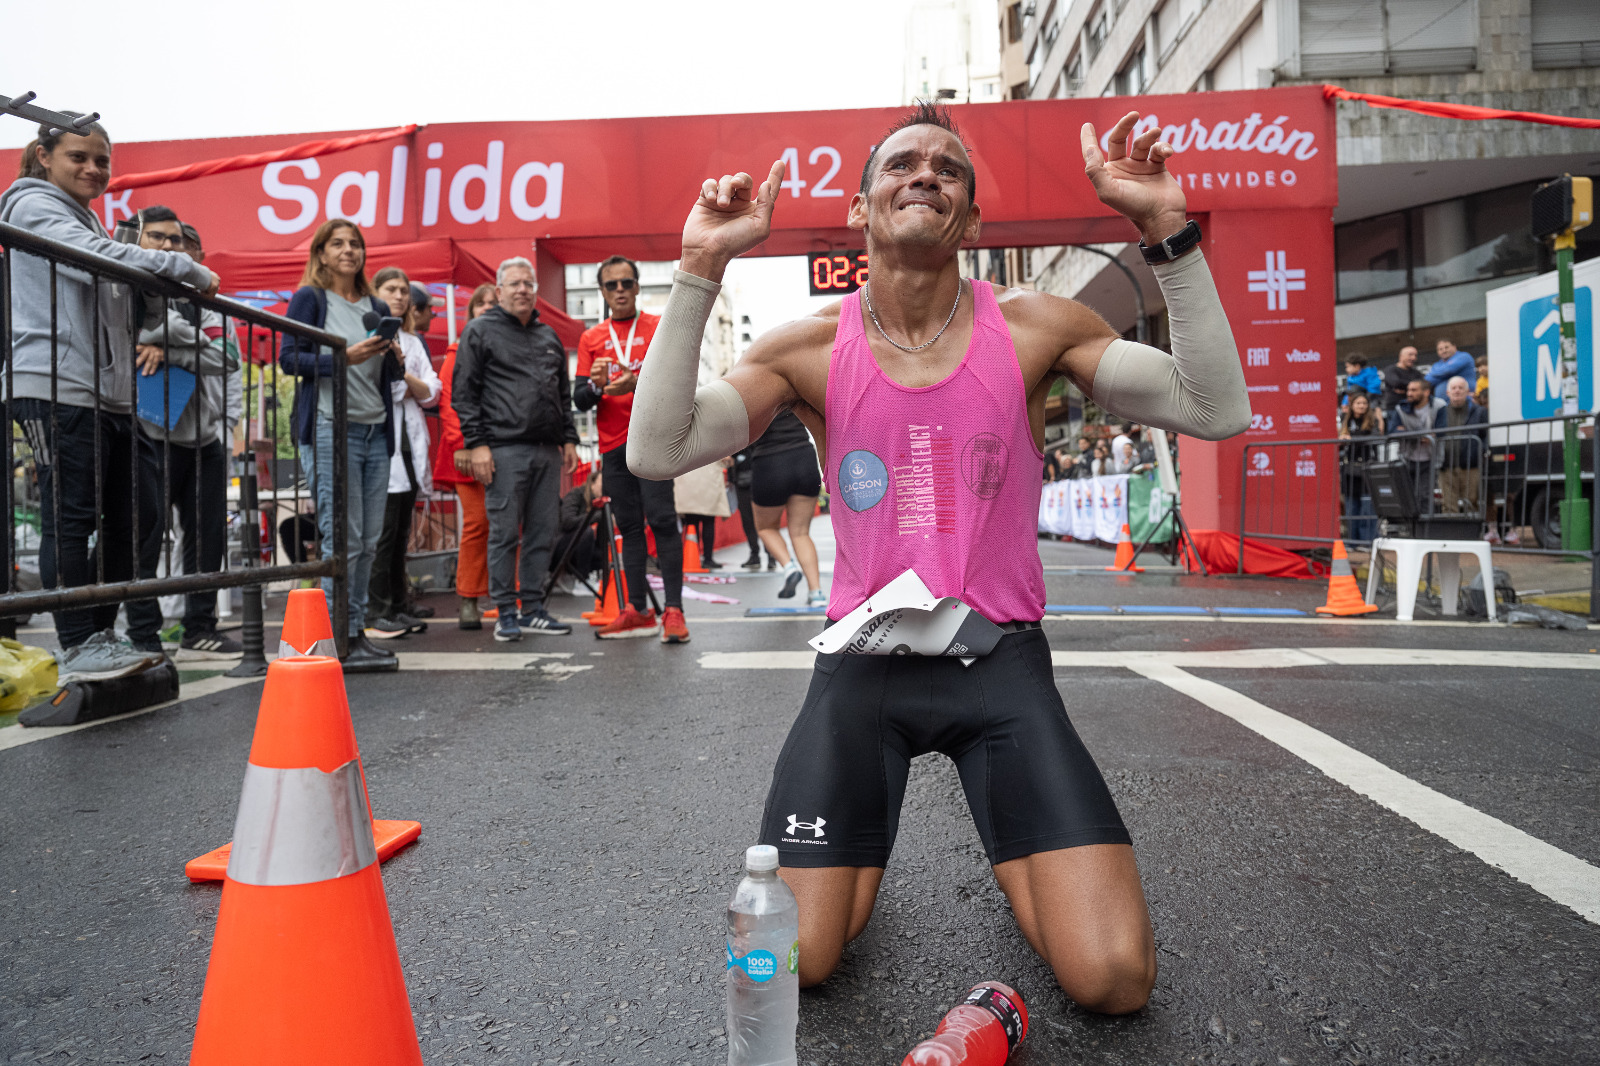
x=1178, y=541
x=610, y=562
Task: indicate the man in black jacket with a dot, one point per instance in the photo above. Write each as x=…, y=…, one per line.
x=514, y=399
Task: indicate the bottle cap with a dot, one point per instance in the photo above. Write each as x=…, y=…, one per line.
x=760, y=857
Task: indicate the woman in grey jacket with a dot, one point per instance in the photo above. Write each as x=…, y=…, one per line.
x=92, y=352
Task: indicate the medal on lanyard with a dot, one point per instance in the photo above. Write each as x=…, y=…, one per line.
x=624, y=355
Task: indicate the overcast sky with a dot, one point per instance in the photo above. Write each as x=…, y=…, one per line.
x=169, y=69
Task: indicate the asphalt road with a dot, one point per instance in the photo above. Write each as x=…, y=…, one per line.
x=584, y=816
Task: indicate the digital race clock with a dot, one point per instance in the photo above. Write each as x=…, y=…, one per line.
x=836, y=273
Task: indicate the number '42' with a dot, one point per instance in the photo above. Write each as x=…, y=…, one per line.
x=794, y=183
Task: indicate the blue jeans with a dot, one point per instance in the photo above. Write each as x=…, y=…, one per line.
x=368, y=452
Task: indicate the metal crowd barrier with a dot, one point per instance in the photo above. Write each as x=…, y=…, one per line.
x=265, y=426
x=1311, y=491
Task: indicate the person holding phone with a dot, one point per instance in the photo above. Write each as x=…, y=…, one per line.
x=335, y=296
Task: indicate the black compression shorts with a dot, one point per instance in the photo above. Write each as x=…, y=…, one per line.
x=775, y=478
x=1030, y=783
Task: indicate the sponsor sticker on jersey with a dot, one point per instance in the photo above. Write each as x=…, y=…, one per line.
x=863, y=479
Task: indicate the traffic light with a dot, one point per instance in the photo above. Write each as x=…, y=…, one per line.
x=1562, y=206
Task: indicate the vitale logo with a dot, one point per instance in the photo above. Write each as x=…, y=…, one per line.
x=1296, y=355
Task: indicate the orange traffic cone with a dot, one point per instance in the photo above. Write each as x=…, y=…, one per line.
x=1124, y=560
x=692, y=563
x=304, y=966
x=608, y=604
x=307, y=629
x=1344, y=595
x=306, y=626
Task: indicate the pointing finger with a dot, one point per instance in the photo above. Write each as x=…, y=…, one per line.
x=774, y=182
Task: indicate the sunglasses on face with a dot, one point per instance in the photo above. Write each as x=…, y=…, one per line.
x=622, y=284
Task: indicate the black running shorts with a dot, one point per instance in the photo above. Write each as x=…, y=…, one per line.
x=774, y=478
x=1030, y=783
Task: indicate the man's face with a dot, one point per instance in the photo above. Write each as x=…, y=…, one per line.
x=1457, y=392
x=1417, y=392
x=1445, y=349
x=1084, y=445
x=1408, y=357
x=162, y=236
x=621, y=290
x=518, y=291
x=917, y=192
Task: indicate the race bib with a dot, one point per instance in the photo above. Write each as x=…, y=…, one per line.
x=904, y=618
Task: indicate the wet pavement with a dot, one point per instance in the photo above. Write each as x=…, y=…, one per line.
x=585, y=807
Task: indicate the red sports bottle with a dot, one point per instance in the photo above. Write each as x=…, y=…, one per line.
x=981, y=1030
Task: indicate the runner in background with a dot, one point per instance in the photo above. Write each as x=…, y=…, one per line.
x=609, y=357
x=785, y=479
x=452, y=465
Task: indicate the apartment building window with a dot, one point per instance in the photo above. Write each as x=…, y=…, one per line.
x=1099, y=24
x=1014, y=25
x=1566, y=33
x=1172, y=20
x=1353, y=37
x=1134, y=76
x=1371, y=257
x=1073, y=74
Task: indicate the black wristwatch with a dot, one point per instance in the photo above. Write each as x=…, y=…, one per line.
x=1168, y=250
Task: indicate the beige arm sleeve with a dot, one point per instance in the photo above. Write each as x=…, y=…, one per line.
x=1198, y=390
x=676, y=427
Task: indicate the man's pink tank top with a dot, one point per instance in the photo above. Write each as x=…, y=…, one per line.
x=943, y=480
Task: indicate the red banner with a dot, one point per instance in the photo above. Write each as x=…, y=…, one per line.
x=583, y=189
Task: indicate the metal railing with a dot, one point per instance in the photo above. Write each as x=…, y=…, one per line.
x=259, y=334
x=1309, y=492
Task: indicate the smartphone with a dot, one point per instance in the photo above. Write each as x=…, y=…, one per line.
x=388, y=328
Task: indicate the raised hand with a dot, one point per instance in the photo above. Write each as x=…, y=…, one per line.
x=730, y=217
x=1133, y=178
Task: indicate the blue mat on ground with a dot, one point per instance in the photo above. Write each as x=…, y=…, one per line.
x=1275, y=612
x=1077, y=608
x=767, y=612
x=1143, y=608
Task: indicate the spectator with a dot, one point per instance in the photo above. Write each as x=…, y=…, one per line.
x=1358, y=375
x=452, y=465
x=1101, y=465
x=609, y=358
x=408, y=465
x=1398, y=376
x=701, y=497
x=1481, y=393
x=1460, y=451
x=1083, y=463
x=514, y=399
x=1124, y=436
x=335, y=296
x=1417, y=414
x=1056, y=464
x=583, y=527
x=1452, y=362
x=1359, y=423
x=742, y=463
x=417, y=325
x=185, y=465
x=83, y=457
x=1125, y=458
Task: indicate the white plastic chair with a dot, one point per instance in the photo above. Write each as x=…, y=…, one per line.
x=1408, y=555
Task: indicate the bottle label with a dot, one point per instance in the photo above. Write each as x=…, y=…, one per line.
x=794, y=957
x=761, y=965
x=999, y=1004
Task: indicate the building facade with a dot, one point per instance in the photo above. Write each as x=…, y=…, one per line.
x=952, y=52
x=1433, y=212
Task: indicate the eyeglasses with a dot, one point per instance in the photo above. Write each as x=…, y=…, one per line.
x=172, y=239
x=624, y=284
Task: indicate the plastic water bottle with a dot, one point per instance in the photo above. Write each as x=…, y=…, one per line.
x=763, y=965
x=982, y=1030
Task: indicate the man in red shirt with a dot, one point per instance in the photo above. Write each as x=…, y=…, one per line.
x=609, y=357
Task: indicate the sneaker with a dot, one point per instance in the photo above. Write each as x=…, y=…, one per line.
x=387, y=629
x=154, y=647
x=469, y=615
x=629, y=623
x=542, y=623
x=674, y=630
x=411, y=622
x=752, y=563
x=1513, y=538
x=208, y=644
x=419, y=610
x=818, y=598
x=506, y=628
x=791, y=577
x=102, y=657
x=712, y=564
x=1492, y=537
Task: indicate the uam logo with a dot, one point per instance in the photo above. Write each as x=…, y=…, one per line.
x=1304, y=422
x=1296, y=355
x=1540, y=329
x=1304, y=386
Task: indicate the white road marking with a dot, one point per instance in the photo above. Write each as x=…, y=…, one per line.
x=1548, y=870
x=1240, y=659
x=758, y=660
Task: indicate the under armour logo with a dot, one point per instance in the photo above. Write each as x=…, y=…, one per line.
x=796, y=824
x=1277, y=282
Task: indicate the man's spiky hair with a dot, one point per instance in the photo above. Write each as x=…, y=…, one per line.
x=922, y=113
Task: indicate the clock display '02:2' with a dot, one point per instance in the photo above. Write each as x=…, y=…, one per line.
x=836, y=273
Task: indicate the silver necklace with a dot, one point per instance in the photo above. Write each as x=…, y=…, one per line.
x=867, y=292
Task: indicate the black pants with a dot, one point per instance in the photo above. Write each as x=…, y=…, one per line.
x=69, y=463
x=387, y=592
x=585, y=543
x=191, y=472
x=633, y=501
x=747, y=518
